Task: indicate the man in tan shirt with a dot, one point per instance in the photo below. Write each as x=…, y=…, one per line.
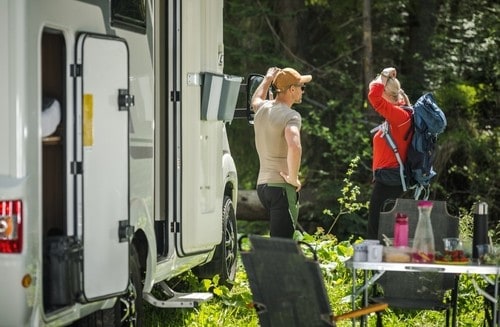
x=277, y=139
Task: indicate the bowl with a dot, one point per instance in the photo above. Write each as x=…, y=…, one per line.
x=397, y=254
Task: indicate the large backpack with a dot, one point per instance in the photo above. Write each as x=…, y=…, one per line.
x=428, y=121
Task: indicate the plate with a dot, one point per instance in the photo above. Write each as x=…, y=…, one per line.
x=442, y=262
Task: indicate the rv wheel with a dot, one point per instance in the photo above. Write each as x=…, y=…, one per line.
x=224, y=260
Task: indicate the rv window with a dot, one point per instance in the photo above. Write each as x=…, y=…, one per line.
x=129, y=14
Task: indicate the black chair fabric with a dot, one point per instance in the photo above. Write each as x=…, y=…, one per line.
x=287, y=287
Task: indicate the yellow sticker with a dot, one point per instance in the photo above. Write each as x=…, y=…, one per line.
x=88, y=120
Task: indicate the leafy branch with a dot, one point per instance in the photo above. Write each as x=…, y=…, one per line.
x=349, y=200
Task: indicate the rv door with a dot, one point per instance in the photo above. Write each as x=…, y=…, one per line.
x=101, y=166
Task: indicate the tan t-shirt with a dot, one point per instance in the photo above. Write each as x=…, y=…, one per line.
x=269, y=125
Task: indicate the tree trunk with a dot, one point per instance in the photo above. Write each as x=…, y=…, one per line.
x=367, y=44
x=249, y=206
x=422, y=22
x=288, y=26
x=367, y=52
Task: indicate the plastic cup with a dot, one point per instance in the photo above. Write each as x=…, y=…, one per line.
x=482, y=251
x=360, y=252
x=375, y=252
x=452, y=244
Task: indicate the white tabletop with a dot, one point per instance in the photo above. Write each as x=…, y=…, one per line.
x=426, y=267
x=382, y=267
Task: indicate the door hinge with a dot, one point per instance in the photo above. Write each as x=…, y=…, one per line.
x=76, y=167
x=125, y=231
x=175, y=227
x=75, y=70
x=175, y=96
x=125, y=100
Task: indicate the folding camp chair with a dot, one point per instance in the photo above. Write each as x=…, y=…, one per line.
x=419, y=290
x=287, y=287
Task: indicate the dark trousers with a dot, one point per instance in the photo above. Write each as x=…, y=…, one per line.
x=380, y=194
x=275, y=201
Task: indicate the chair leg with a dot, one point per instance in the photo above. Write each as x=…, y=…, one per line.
x=379, y=319
x=454, y=301
x=487, y=318
x=488, y=314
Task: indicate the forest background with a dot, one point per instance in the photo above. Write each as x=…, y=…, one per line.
x=448, y=47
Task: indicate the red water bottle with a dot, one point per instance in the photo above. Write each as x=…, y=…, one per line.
x=401, y=230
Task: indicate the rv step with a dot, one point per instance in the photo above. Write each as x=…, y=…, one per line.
x=176, y=299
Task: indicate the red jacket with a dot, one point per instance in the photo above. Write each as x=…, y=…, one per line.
x=399, y=124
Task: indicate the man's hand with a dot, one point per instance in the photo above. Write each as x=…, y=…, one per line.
x=292, y=181
x=260, y=93
x=272, y=72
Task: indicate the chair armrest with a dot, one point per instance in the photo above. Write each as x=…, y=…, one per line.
x=361, y=312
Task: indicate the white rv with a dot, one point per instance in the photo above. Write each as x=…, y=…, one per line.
x=116, y=173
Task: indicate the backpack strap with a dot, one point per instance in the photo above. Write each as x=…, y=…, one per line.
x=384, y=127
x=418, y=189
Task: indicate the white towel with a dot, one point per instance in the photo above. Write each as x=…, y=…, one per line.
x=51, y=116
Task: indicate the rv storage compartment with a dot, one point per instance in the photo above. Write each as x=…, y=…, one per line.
x=61, y=279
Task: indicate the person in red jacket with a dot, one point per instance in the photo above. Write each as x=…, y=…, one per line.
x=387, y=98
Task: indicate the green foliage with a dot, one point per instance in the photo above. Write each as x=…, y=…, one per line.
x=464, y=71
x=348, y=206
x=468, y=161
x=229, y=307
x=241, y=140
x=348, y=202
x=466, y=42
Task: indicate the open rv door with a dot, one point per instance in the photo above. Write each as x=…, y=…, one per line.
x=101, y=167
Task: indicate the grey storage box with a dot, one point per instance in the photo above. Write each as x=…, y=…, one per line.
x=219, y=96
